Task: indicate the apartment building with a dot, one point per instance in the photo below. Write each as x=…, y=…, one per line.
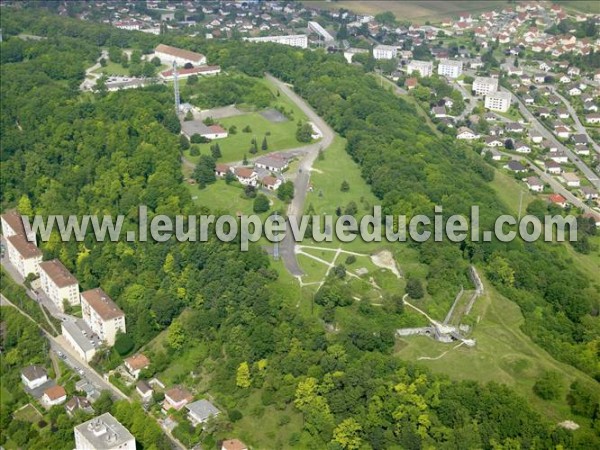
x=498, y=101
x=425, y=68
x=23, y=255
x=12, y=224
x=450, y=68
x=59, y=284
x=385, y=52
x=293, y=40
x=485, y=85
x=102, y=315
x=103, y=433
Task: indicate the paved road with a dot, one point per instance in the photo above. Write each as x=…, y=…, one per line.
x=301, y=181
x=589, y=173
x=578, y=125
x=89, y=83
x=470, y=105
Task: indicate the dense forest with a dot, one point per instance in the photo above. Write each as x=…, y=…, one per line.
x=64, y=152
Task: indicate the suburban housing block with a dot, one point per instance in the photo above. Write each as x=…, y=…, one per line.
x=58, y=283
x=498, y=101
x=24, y=255
x=102, y=315
x=103, y=432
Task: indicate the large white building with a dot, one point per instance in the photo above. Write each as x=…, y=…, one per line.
x=425, y=68
x=102, y=315
x=385, y=52
x=168, y=54
x=79, y=337
x=58, y=283
x=103, y=433
x=294, y=40
x=485, y=85
x=450, y=68
x=23, y=255
x=498, y=101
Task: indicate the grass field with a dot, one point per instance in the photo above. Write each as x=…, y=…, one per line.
x=235, y=146
x=584, y=6
x=112, y=68
x=509, y=192
x=28, y=413
x=503, y=353
x=415, y=11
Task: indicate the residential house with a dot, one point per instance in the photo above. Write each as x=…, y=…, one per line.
x=491, y=141
x=144, y=390
x=564, y=79
x=12, y=224
x=176, y=398
x=136, y=363
x=23, y=255
x=103, y=432
x=559, y=200
x=59, y=284
x=450, y=68
x=34, y=376
x=590, y=106
x=521, y=147
x=271, y=183
x=466, y=133
x=515, y=166
x=514, y=127
x=589, y=193
x=571, y=179
x=496, y=131
x=554, y=100
x=168, y=55
x=495, y=154
x=536, y=137
x=498, y=101
x=438, y=111
x=77, y=403
x=535, y=184
x=221, y=170
x=195, y=127
x=539, y=78
x=545, y=67
x=200, y=411
x=272, y=163
x=580, y=139
x=183, y=73
x=543, y=112
x=246, y=176
x=528, y=99
x=552, y=167
x=233, y=444
x=574, y=91
x=102, y=315
x=562, y=132
x=410, y=83
x=562, y=113
x=582, y=149
x=592, y=118
x=54, y=395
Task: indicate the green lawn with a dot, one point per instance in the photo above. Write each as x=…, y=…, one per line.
x=509, y=192
x=112, y=68
x=28, y=414
x=235, y=146
x=503, y=354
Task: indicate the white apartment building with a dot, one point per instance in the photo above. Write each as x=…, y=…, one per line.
x=12, y=224
x=485, y=85
x=24, y=255
x=102, y=315
x=168, y=55
x=58, y=283
x=425, y=68
x=385, y=52
x=450, y=68
x=293, y=40
x=103, y=433
x=498, y=101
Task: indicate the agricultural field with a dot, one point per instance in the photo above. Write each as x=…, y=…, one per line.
x=415, y=11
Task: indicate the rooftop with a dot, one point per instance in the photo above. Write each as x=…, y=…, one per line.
x=25, y=248
x=179, y=52
x=138, y=362
x=55, y=392
x=104, y=432
x=178, y=394
x=203, y=409
x=100, y=302
x=33, y=372
x=233, y=444
x=58, y=273
x=13, y=219
x=75, y=330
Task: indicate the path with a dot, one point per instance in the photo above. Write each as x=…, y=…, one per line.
x=91, y=77
x=434, y=358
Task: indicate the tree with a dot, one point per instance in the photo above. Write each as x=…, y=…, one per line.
x=104, y=403
x=204, y=173
x=351, y=209
x=215, y=150
x=189, y=116
x=261, y=204
x=347, y=434
x=345, y=187
x=156, y=61
x=242, y=378
x=286, y=192
x=245, y=160
x=24, y=206
x=124, y=344
x=264, y=145
x=549, y=386
x=414, y=288
x=192, y=80
x=199, y=139
x=176, y=335
x=184, y=143
x=247, y=129
x=304, y=132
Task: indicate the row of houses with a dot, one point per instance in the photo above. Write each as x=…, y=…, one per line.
x=260, y=174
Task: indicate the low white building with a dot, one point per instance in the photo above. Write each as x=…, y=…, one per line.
x=102, y=315
x=199, y=412
x=23, y=255
x=385, y=52
x=498, y=101
x=450, y=68
x=485, y=85
x=466, y=134
x=59, y=284
x=246, y=176
x=54, y=395
x=425, y=68
x=182, y=73
x=136, y=363
x=79, y=337
x=535, y=184
x=103, y=433
x=272, y=163
x=293, y=40
x=571, y=179
x=168, y=55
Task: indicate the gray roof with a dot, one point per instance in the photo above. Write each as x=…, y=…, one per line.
x=272, y=161
x=202, y=409
x=191, y=127
x=75, y=330
x=33, y=372
x=104, y=432
x=515, y=165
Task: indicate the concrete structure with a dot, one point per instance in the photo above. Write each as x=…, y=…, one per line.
x=315, y=27
x=498, y=101
x=384, y=52
x=59, y=284
x=33, y=376
x=12, y=224
x=168, y=54
x=167, y=75
x=293, y=40
x=103, y=433
x=200, y=411
x=450, y=68
x=102, y=315
x=485, y=85
x=425, y=68
x=136, y=363
x=24, y=255
x=78, y=335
